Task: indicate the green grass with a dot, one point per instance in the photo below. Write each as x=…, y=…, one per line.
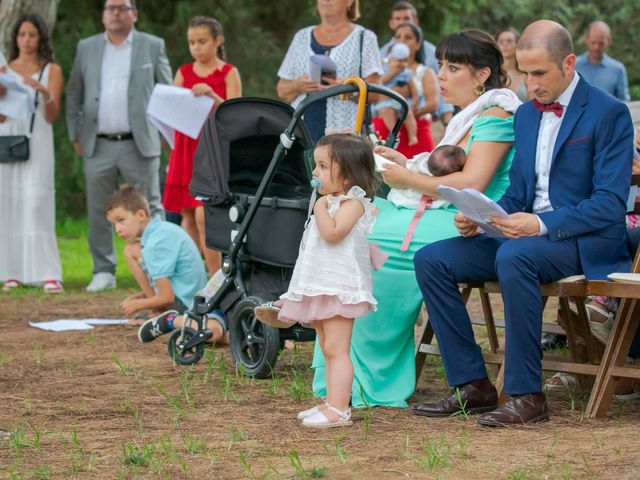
x=77, y=265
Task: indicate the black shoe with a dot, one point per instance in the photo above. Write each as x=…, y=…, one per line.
x=551, y=341
x=154, y=327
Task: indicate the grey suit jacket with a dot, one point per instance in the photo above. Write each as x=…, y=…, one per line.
x=149, y=65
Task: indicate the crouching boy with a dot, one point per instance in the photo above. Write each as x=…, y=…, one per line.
x=162, y=257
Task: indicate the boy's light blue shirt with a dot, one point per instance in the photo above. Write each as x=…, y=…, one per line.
x=169, y=252
x=610, y=75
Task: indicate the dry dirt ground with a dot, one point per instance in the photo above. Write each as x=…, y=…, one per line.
x=99, y=404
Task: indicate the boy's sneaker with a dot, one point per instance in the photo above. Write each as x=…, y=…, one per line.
x=154, y=327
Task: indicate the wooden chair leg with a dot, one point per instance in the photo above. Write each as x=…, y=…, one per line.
x=489, y=320
x=425, y=337
x=624, y=328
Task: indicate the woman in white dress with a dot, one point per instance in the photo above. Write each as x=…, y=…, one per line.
x=28, y=245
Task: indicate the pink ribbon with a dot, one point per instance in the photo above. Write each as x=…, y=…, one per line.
x=425, y=204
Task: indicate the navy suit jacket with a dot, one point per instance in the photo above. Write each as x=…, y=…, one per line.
x=588, y=181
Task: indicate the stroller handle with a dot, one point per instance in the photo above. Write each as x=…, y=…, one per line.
x=353, y=88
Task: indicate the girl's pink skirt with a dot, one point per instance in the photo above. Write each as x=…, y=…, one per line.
x=321, y=307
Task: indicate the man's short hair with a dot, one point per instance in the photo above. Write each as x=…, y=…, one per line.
x=131, y=2
x=599, y=24
x=128, y=198
x=404, y=6
x=557, y=43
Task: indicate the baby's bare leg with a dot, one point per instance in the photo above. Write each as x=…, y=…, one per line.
x=388, y=116
x=411, y=125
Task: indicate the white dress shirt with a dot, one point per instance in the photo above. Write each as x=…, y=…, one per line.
x=113, y=109
x=547, y=135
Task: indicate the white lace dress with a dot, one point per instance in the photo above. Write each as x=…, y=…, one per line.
x=332, y=279
x=28, y=245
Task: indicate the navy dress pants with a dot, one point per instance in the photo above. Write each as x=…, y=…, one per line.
x=520, y=265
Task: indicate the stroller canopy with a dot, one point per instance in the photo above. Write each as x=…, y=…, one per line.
x=237, y=144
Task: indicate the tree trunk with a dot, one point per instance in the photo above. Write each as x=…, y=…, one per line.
x=10, y=10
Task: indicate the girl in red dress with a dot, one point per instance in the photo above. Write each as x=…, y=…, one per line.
x=208, y=75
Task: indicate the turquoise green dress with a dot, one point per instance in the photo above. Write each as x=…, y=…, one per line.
x=382, y=346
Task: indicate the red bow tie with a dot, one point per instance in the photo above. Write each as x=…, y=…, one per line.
x=554, y=107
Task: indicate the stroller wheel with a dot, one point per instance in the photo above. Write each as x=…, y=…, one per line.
x=253, y=344
x=176, y=343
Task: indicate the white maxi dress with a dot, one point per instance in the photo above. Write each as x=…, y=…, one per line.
x=28, y=244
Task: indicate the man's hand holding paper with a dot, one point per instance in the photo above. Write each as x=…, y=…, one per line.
x=518, y=225
x=465, y=226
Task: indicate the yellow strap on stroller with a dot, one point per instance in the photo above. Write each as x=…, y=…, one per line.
x=362, y=100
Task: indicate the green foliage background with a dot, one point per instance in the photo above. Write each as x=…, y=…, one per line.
x=258, y=32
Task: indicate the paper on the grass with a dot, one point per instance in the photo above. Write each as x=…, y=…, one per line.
x=66, y=325
x=476, y=206
x=176, y=108
x=16, y=102
x=62, y=325
x=320, y=65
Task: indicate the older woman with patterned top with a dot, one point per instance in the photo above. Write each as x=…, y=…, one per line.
x=350, y=46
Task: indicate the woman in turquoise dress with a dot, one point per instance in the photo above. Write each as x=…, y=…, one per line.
x=382, y=347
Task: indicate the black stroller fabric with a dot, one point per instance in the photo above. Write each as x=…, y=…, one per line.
x=235, y=149
x=237, y=144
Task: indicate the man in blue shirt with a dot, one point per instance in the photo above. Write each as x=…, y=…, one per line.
x=598, y=68
x=405, y=12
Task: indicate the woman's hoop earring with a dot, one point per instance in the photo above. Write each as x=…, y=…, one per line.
x=479, y=89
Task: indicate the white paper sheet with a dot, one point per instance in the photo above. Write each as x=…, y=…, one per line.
x=176, y=108
x=320, y=65
x=65, y=325
x=15, y=103
x=475, y=205
x=381, y=162
x=631, y=201
x=61, y=325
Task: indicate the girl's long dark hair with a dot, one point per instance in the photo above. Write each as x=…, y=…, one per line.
x=354, y=156
x=215, y=28
x=45, y=51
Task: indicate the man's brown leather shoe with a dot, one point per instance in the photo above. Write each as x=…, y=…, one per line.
x=473, y=399
x=521, y=410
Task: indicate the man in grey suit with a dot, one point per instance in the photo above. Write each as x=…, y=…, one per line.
x=108, y=92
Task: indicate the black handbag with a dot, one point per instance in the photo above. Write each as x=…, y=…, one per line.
x=15, y=148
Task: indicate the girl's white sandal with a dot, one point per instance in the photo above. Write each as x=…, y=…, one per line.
x=319, y=420
x=312, y=411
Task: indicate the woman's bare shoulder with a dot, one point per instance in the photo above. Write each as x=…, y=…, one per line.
x=496, y=112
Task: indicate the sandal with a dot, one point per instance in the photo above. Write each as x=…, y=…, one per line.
x=53, y=286
x=600, y=330
x=11, y=284
x=267, y=313
x=312, y=411
x=567, y=382
x=320, y=420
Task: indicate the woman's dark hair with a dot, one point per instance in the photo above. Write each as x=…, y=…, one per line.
x=509, y=30
x=45, y=52
x=215, y=28
x=477, y=49
x=354, y=156
x=417, y=31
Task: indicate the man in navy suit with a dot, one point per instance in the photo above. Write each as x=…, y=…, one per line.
x=569, y=183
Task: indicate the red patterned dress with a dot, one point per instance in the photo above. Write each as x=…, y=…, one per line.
x=176, y=195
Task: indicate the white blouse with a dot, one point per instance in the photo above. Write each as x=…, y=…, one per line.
x=347, y=56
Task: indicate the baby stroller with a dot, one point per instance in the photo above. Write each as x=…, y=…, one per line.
x=253, y=170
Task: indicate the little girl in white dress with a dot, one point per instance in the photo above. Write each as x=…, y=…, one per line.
x=331, y=282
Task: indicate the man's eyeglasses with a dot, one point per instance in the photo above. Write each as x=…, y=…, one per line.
x=118, y=8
